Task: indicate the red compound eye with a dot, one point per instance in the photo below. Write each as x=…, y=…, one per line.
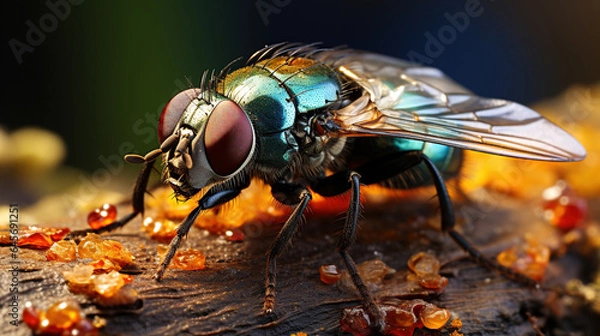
x=228, y=138
x=172, y=112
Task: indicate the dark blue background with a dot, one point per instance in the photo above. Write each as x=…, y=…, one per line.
x=110, y=65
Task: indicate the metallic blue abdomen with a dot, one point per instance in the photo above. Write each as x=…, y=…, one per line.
x=447, y=159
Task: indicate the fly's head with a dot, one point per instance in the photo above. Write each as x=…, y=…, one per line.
x=207, y=139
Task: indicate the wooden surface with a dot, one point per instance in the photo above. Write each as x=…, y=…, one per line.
x=226, y=297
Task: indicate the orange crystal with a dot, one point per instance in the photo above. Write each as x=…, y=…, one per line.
x=36, y=240
x=115, y=251
x=106, y=289
x=33, y=236
x=530, y=259
x=189, y=259
x=80, y=275
x=456, y=323
x=108, y=284
x=89, y=247
x=123, y=297
x=64, y=250
x=104, y=265
x=94, y=247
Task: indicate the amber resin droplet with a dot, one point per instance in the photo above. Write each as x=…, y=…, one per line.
x=62, y=318
x=424, y=264
x=64, y=314
x=31, y=316
x=160, y=229
x=235, y=235
x=433, y=281
x=563, y=208
x=329, y=274
x=102, y=216
x=398, y=316
x=434, y=317
x=356, y=321
x=401, y=317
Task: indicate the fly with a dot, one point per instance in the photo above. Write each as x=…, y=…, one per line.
x=310, y=120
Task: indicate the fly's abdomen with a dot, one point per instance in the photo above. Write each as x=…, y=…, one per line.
x=278, y=94
x=448, y=160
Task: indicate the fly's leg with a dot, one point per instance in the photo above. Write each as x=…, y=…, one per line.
x=346, y=239
x=287, y=194
x=182, y=231
x=137, y=199
x=448, y=226
x=374, y=171
x=211, y=199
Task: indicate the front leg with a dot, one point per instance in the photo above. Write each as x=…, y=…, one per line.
x=289, y=194
x=215, y=196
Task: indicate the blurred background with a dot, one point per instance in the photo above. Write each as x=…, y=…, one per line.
x=84, y=83
x=98, y=73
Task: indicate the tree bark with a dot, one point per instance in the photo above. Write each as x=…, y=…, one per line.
x=226, y=297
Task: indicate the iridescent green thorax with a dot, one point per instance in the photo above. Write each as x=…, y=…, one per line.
x=279, y=95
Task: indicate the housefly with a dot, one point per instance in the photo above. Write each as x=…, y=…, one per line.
x=310, y=120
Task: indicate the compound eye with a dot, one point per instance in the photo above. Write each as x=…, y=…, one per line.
x=172, y=112
x=228, y=138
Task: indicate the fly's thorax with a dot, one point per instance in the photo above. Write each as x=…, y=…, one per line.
x=280, y=95
x=213, y=141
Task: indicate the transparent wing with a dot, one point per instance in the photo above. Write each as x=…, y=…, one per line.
x=406, y=100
